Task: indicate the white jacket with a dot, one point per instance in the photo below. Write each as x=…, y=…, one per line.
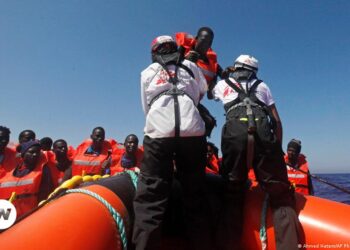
x=160, y=118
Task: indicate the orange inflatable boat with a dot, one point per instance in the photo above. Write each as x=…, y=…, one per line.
x=85, y=221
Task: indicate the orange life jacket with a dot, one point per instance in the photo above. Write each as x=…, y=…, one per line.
x=26, y=188
x=117, y=152
x=56, y=174
x=70, y=152
x=252, y=177
x=297, y=178
x=91, y=164
x=214, y=166
x=210, y=68
x=117, y=168
x=8, y=162
x=51, y=163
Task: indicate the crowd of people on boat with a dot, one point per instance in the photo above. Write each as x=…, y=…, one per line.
x=182, y=71
x=55, y=162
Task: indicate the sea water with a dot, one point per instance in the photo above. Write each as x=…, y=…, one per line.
x=328, y=192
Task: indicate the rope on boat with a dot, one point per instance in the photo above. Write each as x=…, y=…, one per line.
x=75, y=181
x=116, y=216
x=133, y=177
x=263, y=235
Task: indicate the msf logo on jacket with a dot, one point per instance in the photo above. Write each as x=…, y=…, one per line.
x=8, y=214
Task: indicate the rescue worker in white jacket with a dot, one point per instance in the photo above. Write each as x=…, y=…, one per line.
x=171, y=88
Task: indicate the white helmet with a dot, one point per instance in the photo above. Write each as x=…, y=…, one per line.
x=160, y=40
x=247, y=62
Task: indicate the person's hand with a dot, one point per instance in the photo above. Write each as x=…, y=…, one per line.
x=226, y=72
x=192, y=56
x=106, y=164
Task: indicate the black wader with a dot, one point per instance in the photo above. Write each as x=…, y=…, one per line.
x=270, y=171
x=154, y=188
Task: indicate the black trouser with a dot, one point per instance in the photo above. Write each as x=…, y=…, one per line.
x=271, y=173
x=188, y=155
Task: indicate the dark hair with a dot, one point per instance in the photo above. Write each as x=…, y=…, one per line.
x=46, y=140
x=5, y=129
x=215, y=148
x=59, y=140
x=100, y=128
x=207, y=29
x=27, y=131
x=133, y=135
x=296, y=144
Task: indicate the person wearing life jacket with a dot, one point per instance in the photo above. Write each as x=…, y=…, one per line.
x=63, y=157
x=24, y=136
x=7, y=155
x=198, y=50
x=213, y=164
x=174, y=131
x=93, y=156
x=252, y=136
x=30, y=180
x=46, y=146
x=297, y=167
x=131, y=156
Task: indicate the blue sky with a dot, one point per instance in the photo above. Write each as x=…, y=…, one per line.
x=69, y=66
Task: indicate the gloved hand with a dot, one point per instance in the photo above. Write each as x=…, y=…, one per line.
x=193, y=56
x=226, y=72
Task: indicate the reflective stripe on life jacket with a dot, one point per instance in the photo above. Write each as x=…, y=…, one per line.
x=26, y=187
x=89, y=163
x=297, y=178
x=210, y=68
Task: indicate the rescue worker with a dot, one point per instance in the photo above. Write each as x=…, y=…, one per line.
x=63, y=161
x=298, y=169
x=30, y=180
x=212, y=159
x=7, y=155
x=131, y=156
x=198, y=50
x=252, y=136
x=174, y=134
x=93, y=156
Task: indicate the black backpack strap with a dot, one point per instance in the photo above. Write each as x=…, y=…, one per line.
x=174, y=92
x=232, y=85
x=255, y=85
x=241, y=95
x=252, y=93
x=188, y=70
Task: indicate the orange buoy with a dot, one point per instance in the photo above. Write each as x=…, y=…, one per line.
x=74, y=221
x=325, y=223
